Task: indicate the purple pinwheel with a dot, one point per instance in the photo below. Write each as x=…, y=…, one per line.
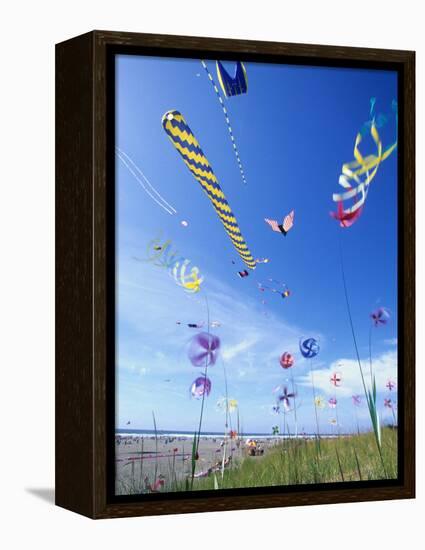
x=200, y=387
x=390, y=385
x=357, y=400
x=380, y=316
x=203, y=349
x=332, y=403
x=285, y=397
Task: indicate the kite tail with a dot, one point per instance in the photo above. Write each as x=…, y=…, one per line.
x=350, y=318
x=143, y=181
x=226, y=118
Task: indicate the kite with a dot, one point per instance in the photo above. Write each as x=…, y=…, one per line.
x=184, y=223
x=200, y=387
x=190, y=282
x=284, y=397
x=309, y=348
x=336, y=379
x=286, y=360
x=243, y=273
x=203, y=349
x=224, y=404
x=187, y=145
x=356, y=399
x=227, y=119
x=332, y=403
x=380, y=317
x=275, y=430
x=284, y=294
x=162, y=255
x=319, y=402
x=358, y=174
x=262, y=260
x=333, y=422
x=388, y=403
x=390, y=385
x=232, y=85
x=144, y=182
x=285, y=226
x=191, y=325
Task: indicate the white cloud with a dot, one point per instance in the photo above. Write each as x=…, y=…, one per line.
x=391, y=341
x=384, y=368
x=230, y=352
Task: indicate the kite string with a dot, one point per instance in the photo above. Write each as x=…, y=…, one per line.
x=205, y=380
x=133, y=168
x=226, y=117
x=347, y=302
x=314, y=398
x=295, y=403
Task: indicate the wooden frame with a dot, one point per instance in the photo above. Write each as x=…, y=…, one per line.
x=82, y=260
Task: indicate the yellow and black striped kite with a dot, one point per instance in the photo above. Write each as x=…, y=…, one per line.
x=187, y=145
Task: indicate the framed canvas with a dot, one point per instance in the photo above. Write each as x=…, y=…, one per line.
x=235, y=307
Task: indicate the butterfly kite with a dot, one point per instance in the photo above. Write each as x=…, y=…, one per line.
x=285, y=226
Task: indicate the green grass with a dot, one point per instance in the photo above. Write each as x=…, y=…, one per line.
x=298, y=462
x=291, y=462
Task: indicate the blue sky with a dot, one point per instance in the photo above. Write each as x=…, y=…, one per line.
x=294, y=129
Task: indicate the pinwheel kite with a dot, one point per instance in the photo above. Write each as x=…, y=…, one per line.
x=390, y=385
x=286, y=360
x=309, y=348
x=285, y=396
x=203, y=349
x=336, y=379
x=200, y=387
x=380, y=317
